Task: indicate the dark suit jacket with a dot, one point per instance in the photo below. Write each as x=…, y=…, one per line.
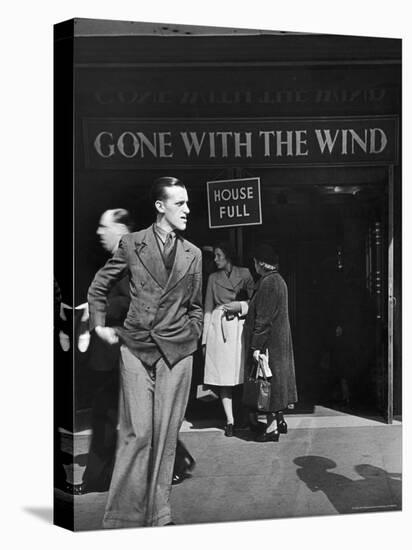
x=165, y=313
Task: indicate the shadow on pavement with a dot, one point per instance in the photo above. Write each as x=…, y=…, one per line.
x=204, y=424
x=245, y=434
x=379, y=490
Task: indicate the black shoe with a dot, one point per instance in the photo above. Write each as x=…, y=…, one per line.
x=190, y=463
x=170, y=523
x=184, y=461
x=282, y=427
x=179, y=478
x=81, y=489
x=74, y=490
x=229, y=430
x=271, y=436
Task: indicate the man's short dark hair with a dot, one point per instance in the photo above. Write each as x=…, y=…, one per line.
x=158, y=190
x=121, y=215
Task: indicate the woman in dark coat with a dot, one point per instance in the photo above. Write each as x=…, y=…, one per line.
x=267, y=329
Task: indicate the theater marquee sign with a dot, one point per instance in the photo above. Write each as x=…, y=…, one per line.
x=128, y=143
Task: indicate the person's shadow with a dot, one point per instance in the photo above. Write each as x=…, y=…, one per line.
x=379, y=490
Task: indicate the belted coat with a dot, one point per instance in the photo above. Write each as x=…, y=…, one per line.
x=165, y=315
x=225, y=357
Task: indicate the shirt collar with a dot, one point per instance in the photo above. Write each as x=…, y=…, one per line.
x=162, y=234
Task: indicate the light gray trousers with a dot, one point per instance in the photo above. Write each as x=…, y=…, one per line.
x=152, y=406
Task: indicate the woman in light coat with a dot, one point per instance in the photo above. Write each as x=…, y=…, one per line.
x=227, y=294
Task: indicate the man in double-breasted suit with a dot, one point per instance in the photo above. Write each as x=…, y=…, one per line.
x=158, y=338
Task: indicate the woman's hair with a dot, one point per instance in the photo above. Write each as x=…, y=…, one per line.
x=227, y=250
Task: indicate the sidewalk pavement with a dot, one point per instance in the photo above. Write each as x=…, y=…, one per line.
x=335, y=464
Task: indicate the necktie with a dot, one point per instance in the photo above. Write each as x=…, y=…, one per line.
x=168, y=246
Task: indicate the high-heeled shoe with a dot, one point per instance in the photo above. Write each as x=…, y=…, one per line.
x=271, y=436
x=229, y=430
x=282, y=427
x=179, y=478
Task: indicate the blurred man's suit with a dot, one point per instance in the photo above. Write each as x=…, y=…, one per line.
x=104, y=366
x=160, y=334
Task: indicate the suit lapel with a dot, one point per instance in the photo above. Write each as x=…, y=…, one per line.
x=183, y=259
x=150, y=256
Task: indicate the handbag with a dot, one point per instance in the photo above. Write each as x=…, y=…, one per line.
x=256, y=390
